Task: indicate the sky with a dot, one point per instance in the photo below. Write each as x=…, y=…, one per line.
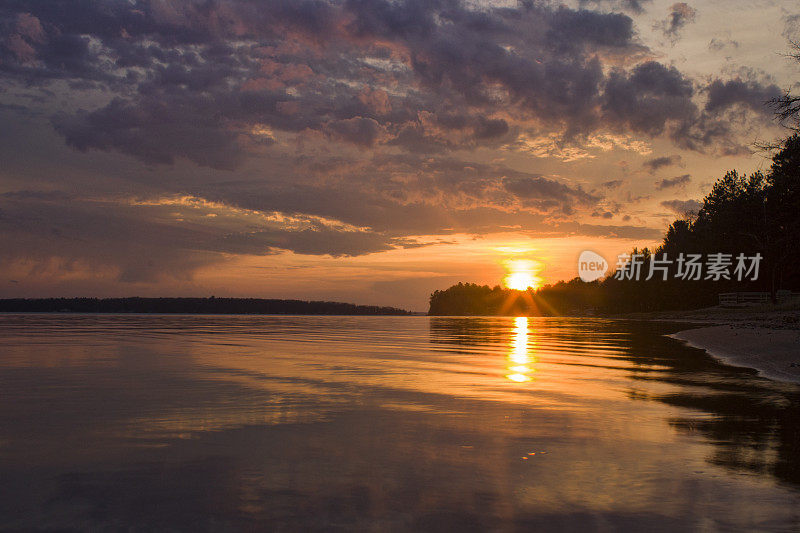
x=368, y=151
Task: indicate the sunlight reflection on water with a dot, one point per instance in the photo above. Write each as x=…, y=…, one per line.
x=520, y=355
x=409, y=423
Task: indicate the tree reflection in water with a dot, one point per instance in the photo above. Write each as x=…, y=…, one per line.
x=753, y=422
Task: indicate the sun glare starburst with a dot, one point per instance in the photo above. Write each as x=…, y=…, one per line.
x=522, y=274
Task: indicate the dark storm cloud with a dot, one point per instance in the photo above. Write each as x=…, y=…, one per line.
x=654, y=100
x=358, y=130
x=612, y=184
x=544, y=193
x=622, y=232
x=584, y=26
x=409, y=194
x=25, y=195
x=190, y=77
x=147, y=243
x=660, y=162
x=718, y=44
x=680, y=14
x=682, y=207
x=68, y=236
x=399, y=90
x=490, y=128
x=155, y=131
x=544, y=59
x=668, y=183
x=634, y=6
x=791, y=27
x=650, y=99
x=750, y=94
x=317, y=241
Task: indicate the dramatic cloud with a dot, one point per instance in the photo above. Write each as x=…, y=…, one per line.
x=544, y=194
x=680, y=14
x=718, y=44
x=150, y=138
x=612, y=184
x=634, y=6
x=682, y=207
x=660, y=162
x=194, y=82
x=179, y=233
x=156, y=131
x=749, y=94
x=791, y=28
x=651, y=99
x=677, y=181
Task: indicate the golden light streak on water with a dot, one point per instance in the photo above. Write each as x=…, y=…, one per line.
x=519, y=358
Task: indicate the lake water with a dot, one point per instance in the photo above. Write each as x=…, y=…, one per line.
x=215, y=423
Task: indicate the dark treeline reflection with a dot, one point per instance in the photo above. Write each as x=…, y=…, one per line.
x=761, y=436
x=754, y=423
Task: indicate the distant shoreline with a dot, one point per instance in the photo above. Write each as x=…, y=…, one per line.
x=194, y=306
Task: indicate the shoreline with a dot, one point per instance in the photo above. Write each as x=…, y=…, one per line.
x=766, y=339
x=774, y=353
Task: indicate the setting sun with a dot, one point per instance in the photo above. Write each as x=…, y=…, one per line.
x=522, y=274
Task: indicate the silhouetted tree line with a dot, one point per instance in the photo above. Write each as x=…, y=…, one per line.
x=755, y=214
x=563, y=298
x=212, y=305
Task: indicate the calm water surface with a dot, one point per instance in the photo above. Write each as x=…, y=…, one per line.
x=197, y=423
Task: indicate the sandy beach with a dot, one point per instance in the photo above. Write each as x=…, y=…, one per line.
x=775, y=353
x=765, y=338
